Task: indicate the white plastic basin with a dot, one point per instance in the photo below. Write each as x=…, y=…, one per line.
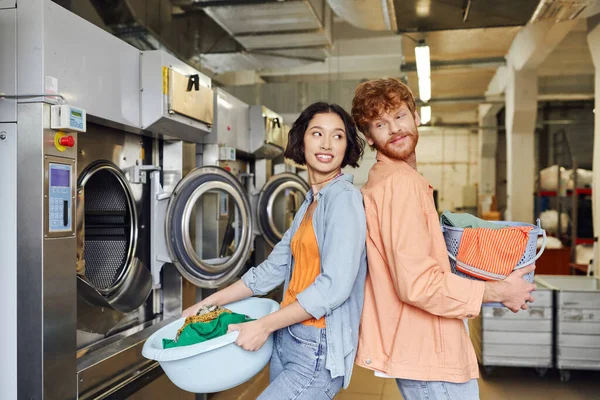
x=217, y=364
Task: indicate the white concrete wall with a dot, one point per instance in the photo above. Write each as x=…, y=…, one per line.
x=447, y=158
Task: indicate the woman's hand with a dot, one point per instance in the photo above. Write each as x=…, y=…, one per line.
x=252, y=335
x=193, y=310
x=237, y=291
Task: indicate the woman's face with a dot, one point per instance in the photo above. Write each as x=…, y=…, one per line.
x=325, y=143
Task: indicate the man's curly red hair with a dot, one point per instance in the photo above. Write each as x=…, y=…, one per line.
x=373, y=98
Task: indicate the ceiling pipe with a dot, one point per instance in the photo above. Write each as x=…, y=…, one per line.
x=490, y=62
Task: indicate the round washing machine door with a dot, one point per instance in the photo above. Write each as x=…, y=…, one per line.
x=279, y=200
x=107, y=232
x=209, y=227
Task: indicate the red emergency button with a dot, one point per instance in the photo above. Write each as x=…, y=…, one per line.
x=67, y=141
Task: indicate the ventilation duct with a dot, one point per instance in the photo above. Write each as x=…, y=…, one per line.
x=559, y=10
x=373, y=15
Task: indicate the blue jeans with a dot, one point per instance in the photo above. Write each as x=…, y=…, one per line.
x=422, y=390
x=298, y=366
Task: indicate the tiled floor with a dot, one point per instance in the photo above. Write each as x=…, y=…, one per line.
x=502, y=384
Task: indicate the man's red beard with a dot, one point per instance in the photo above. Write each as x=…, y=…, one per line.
x=400, y=150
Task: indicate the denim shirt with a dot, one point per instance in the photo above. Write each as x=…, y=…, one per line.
x=337, y=293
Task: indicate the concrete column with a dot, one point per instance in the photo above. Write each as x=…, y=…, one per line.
x=488, y=144
x=594, y=44
x=518, y=79
x=521, y=112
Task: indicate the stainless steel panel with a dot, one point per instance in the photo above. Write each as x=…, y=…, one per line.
x=8, y=62
x=179, y=158
x=231, y=123
x=107, y=87
x=60, y=293
x=31, y=46
x=115, y=364
x=8, y=260
x=518, y=326
x=518, y=351
x=172, y=288
x=47, y=314
x=30, y=194
x=521, y=338
x=8, y=4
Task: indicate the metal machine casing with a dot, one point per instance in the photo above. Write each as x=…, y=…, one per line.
x=266, y=133
x=167, y=108
x=231, y=122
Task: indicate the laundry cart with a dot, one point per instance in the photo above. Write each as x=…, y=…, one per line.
x=502, y=338
x=577, y=334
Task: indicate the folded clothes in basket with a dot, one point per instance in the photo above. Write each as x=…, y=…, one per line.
x=464, y=220
x=210, y=322
x=496, y=251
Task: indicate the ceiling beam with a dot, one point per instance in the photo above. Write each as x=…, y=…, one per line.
x=529, y=49
x=536, y=41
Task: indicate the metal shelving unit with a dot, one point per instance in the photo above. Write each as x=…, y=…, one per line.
x=565, y=200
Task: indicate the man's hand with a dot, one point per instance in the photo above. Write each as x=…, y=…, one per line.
x=513, y=291
x=253, y=334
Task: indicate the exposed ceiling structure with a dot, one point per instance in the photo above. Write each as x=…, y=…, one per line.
x=242, y=43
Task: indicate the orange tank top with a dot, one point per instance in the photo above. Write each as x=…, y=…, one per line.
x=307, y=266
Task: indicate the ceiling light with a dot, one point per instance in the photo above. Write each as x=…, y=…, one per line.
x=423, y=71
x=425, y=114
x=423, y=60
x=423, y=8
x=425, y=89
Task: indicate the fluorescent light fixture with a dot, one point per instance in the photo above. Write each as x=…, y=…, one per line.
x=425, y=89
x=423, y=71
x=423, y=61
x=423, y=8
x=425, y=114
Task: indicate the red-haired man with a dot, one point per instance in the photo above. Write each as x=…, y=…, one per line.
x=412, y=326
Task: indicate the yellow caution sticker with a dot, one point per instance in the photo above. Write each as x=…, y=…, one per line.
x=165, y=74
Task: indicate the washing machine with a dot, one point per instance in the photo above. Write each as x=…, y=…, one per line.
x=244, y=141
x=106, y=196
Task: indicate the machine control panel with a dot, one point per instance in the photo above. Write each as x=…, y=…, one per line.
x=60, y=204
x=68, y=119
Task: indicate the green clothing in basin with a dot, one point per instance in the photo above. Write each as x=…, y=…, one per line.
x=199, y=332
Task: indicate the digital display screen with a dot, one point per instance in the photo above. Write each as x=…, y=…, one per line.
x=59, y=177
x=76, y=113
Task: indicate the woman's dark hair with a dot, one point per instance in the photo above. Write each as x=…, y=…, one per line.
x=295, y=148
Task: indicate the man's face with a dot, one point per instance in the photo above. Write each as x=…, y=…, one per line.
x=394, y=133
